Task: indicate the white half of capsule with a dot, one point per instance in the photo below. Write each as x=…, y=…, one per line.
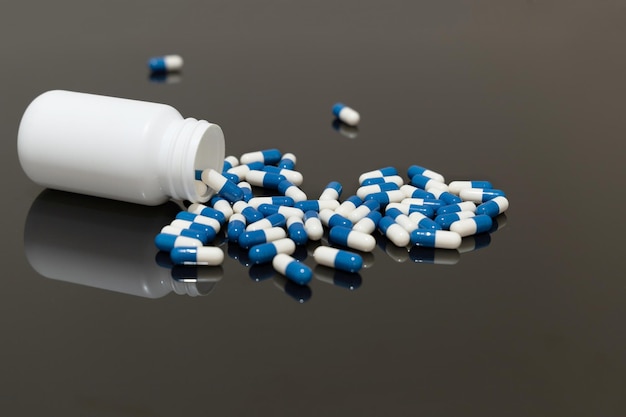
x=239, y=170
x=464, y=227
x=262, y=224
x=223, y=207
x=209, y=255
x=256, y=177
x=398, y=234
x=325, y=216
x=329, y=194
x=365, y=190
x=284, y=245
x=328, y=204
x=291, y=157
x=361, y=241
x=358, y=213
x=290, y=212
x=240, y=206
x=173, y=62
x=467, y=206
x=349, y=116
x=292, y=176
x=445, y=239
x=281, y=261
x=365, y=225
x=434, y=184
x=274, y=233
x=249, y=157
x=257, y=201
x=314, y=228
x=200, y=187
x=213, y=179
x=232, y=160
x=395, y=196
x=434, y=175
x=407, y=222
x=371, y=174
x=208, y=221
x=295, y=193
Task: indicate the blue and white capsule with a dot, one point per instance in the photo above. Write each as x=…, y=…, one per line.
x=445, y=220
x=289, y=189
x=288, y=161
x=330, y=218
x=222, y=185
x=454, y=208
x=472, y=225
x=317, y=205
x=403, y=220
x=493, y=207
x=246, y=189
x=407, y=209
x=442, y=239
x=412, y=191
x=167, y=242
x=205, y=255
x=200, y=219
x=166, y=63
x=363, y=210
x=292, y=269
x=386, y=197
x=414, y=170
x=232, y=177
x=229, y=162
x=445, y=196
x=276, y=200
x=222, y=205
x=339, y=259
x=290, y=175
x=480, y=195
x=269, y=209
x=349, y=205
x=201, y=235
x=265, y=252
x=186, y=224
x=197, y=208
x=250, y=213
x=296, y=230
x=236, y=226
x=393, y=231
x=346, y=114
x=366, y=190
x=242, y=170
x=273, y=220
x=332, y=191
x=368, y=223
x=434, y=203
x=255, y=237
x=426, y=183
x=313, y=225
x=264, y=179
x=352, y=238
x=382, y=172
x=423, y=222
x=267, y=157
x=455, y=187
x=395, y=179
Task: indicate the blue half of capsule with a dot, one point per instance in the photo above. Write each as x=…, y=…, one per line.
x=297, y=233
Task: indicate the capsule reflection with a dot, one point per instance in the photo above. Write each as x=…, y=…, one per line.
x=350, y=281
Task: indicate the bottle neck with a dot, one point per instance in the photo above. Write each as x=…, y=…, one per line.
x=190, y=145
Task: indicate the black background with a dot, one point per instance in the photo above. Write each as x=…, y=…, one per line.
x=526, y=94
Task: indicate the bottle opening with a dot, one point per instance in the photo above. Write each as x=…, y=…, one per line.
x=209, y=153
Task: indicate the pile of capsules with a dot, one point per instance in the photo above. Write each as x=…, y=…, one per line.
x=426, y=212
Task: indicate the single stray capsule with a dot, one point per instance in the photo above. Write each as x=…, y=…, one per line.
x=206, y=255
x=382, y=172
x=416, y=169
x=445, y=220
x=267, y=157
x=222, y=185
x=292, y=268
x=493, y=207
x=337, y=258
x=453, y=208
x=266, y=251
x=167, y=242
x=255, y=237
x=296, y=230
x=442, y=239
x=393, y=231
x=289, y=189
x=346, y=114
x=426, y=183
x=368, y=223
x=332, y=191
x=480, y=195
x=317, y=205
x=166, y=63
x=236, y=226
x=331, y=219
x=352, y=238
x=290, y=175
x=250, y=213
x=313, y=225
x=472, y=225
x=273, y=220
x=455, y=187
x=288, y=161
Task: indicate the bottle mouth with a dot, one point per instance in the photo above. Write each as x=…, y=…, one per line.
x=207, y=150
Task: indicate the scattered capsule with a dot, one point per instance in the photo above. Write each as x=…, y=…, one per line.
x=395, y=179
x=269, y=209
x=236, y=226
x=445, y=196
x=290, y=175
x=296, y=230
x=288, y=161
x=445, y=220
x=363, y=210
x=264, y=252
x=383, y=172
x=337, y=258
x=413, y=192
x=407, y=209
x=317, y=205
x=200, y=219
x=242, y=170
x=167, y=242
x=222, y=185
x=334, y=276
x=197, y=208
x=313, y=225
x=368, y=223
x=472, y=225
x=267, y=157
x=247, y=239
x=352, y=238
x=386, y=197
x=250, y=213
x=273, y=220
x=186, y=224
x=275, y=200
x=264, y=179
x=393, y=231
x=421, y=254
x=206, y=255
x=201, y=235
x=165, y=63
x=222, y=205
x=442, y=239
x=454, y=208
x=416, y=169
x=349, y=205
x=246, y=188
x=229, y=162
x=423, y=222
x=332, y=191
x=289, y=189
x=455, y=187
x=426, y=183
x=366, y=190
x=346, y=114
x=480, y=195
x=331, y=219
x=493, y=207
x=292, y=268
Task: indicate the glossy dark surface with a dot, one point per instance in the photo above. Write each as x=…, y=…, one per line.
x=526, y=94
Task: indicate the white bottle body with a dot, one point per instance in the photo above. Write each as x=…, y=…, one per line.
x=117, y=148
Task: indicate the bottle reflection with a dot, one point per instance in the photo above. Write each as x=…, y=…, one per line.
x=103, y=244
x=342, y=279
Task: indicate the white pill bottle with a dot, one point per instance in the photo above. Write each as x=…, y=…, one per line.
x=127, y=150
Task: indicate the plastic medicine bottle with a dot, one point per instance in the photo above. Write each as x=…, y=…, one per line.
x=117, y=148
